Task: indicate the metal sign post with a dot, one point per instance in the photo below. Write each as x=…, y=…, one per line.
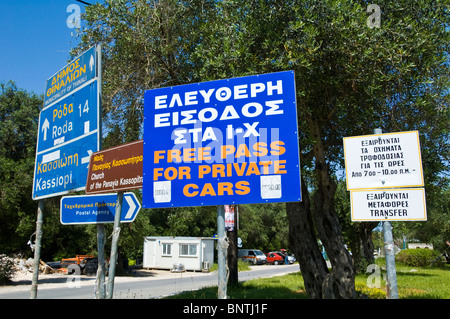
x=376, y=167
x=37, y=249
x=222, y=246
x=116, y=169
x=101, y=270
x=391, y=281
x=114, y=245
x=69, y=131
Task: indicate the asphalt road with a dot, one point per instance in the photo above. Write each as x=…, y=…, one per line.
x=143, y=285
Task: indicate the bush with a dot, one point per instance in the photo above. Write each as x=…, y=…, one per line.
x=418, y=257
x=7, y=269
x=364, y=292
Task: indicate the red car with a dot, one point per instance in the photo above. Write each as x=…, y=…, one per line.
x=274, y=258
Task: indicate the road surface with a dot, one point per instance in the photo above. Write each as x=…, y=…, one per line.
x=142, y=285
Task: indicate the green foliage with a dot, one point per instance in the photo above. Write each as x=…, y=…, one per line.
x=418, y=257
x=19, y=112
x=263, y=226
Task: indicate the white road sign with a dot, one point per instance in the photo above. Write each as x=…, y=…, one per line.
x=400, y=204
x=383, y=161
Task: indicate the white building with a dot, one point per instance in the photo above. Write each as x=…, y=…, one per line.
x=194, y=253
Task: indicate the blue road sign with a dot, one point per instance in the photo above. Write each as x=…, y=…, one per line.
x=69, y=131
x=72, y=76
x=71, y=117
x=64, y=168
x=97, y=209
x=224, y=142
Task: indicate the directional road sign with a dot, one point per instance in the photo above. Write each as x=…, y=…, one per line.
x=97, y=209
x=116, y=169
x=68, y=130
x=70, y=118
x=72, y=76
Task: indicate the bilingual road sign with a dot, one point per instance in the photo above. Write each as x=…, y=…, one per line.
x=224, y=142
x=117, y=168
x=383, y=161
x=399, y=204
x=64, y=168
x=68, y=131
x=97, y=209
x=70, y=118
x=75, y=74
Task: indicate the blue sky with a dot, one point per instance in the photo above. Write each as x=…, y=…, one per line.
x=35, y=40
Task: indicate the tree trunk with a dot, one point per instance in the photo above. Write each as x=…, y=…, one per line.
x=303, y=242
x=340, y=283
x=365, y=237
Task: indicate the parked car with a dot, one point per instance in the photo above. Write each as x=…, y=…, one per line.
x=291, y=259
x=275, y=258
x=253, y=256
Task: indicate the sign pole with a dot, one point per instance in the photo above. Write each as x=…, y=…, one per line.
x=114, y=244
x=222, y=246
x=392, y=290
x=101, y=270
x=37, y=249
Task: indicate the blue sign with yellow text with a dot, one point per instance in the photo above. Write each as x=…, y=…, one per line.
x=231, y=141
x=64, y=168
x=71, y=117
x=72, y=76
x=69, y=131
x=97, y=209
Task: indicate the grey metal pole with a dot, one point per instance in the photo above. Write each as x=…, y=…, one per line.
x=101, y=270
x=114, y=244
x=391, y=280
x=37, y=249
x=221, y=253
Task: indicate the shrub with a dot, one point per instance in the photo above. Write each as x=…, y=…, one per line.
x=418, y=257
x=7, y=269
x=363, y=292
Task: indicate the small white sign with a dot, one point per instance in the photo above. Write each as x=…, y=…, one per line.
x=402, y=204
x=162, y=191
x=270, y=186
x=383, y=161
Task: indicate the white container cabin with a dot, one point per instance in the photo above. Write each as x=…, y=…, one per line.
x=193, y=253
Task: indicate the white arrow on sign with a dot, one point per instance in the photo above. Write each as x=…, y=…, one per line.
x=132, y=207
x=45, y=127
x=85, y=159
x=91, y=62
